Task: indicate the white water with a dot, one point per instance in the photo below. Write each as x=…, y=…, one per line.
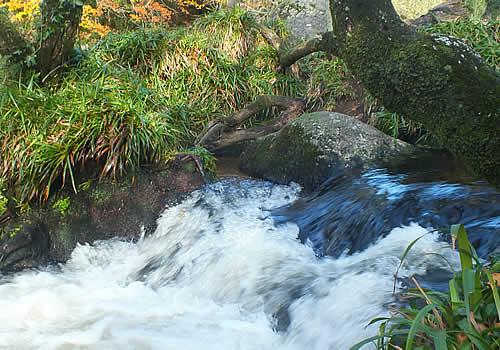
x=218, y=269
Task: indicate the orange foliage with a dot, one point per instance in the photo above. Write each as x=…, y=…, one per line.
x=95, y=19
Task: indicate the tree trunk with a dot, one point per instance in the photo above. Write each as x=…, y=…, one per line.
x=57, y=33
x=434, y=80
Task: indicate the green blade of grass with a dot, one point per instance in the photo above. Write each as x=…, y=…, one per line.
x=416, y=325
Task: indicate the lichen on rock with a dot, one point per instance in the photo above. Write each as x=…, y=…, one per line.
x=315, y=146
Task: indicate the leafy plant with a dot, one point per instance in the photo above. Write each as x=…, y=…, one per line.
x=477, y=8
x=62, y=205
x=466, y=317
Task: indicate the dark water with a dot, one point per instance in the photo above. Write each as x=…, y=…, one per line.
x=350, y=212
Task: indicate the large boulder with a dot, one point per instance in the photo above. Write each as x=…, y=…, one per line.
x=124, y=209
x=304, y=18
x=316, y=146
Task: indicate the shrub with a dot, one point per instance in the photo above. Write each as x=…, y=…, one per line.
x=466, y=317
x=102, y=16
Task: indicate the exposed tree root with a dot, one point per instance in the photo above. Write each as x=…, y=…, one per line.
x=226, y=131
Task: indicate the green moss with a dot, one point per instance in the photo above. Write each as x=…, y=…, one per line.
x=289, y=156
x=438, y=83
x=100, y=194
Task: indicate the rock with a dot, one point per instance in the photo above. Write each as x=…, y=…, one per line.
x=123, y=209
x=304, y=18
x=316, y=146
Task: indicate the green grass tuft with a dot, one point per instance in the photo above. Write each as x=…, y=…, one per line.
x=466, y=317
x=140, y=97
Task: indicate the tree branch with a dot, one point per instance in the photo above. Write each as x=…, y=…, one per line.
x=224, y=132
x=324, y=43
x=270, y=36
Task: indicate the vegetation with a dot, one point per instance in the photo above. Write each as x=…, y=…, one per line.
x=141, y=94
x=141, y=97
x=466, y=317
x=62, y=205
x=3, y=203
x=482, y=35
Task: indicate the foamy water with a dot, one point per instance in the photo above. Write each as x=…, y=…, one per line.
x=217, y=274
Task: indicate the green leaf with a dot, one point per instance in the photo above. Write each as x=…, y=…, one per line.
x=464, y=246
x=455, y=298
x=494, y=289
x=403, y=257
x=374, y=338
x=440, y=340
x=416, y=325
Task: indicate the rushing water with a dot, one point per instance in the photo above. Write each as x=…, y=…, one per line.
x=224, y=270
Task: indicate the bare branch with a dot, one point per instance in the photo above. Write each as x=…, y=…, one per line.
x=450, y=10
x=271, y=37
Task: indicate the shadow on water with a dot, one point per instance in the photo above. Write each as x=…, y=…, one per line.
x=349, y=213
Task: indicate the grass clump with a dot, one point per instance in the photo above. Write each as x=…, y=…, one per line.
x=466, y=317
x=140, y=97
x=97, y=119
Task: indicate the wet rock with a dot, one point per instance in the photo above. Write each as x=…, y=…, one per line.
x=23, y=243
x=318, y=145
x=123, y=209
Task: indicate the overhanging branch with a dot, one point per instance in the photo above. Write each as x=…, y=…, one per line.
x=323, y=43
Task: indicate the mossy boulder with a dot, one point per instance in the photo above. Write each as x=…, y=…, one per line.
x=124, y=209
x=315, y=146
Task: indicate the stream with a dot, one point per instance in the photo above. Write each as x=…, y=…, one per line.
x=247, y=264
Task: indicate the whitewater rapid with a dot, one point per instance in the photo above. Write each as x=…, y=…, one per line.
x=217, y=274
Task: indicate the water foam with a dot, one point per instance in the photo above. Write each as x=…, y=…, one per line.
x=217, y=274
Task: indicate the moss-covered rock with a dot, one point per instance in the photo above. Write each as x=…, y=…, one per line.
x=123, y=209
x=313, y=147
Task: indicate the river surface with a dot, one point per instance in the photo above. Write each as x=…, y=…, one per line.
x=244, y=264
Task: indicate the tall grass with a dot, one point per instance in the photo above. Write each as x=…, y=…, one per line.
x=466, y=317
x=141, y=96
